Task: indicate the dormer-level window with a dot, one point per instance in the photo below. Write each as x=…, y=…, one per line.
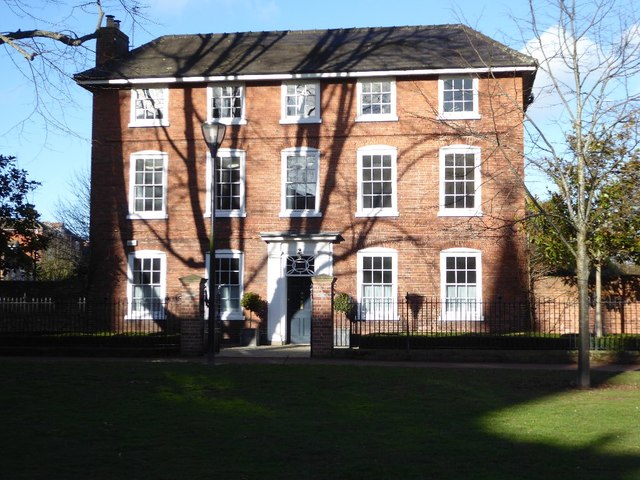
x=226, y=103
x=458, y=97
x=376, y=100
x=149, y=107
x=300, y=102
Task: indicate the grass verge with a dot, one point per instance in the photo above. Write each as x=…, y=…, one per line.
x=104, y=419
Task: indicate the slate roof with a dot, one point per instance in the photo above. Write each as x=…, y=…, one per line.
x=310, y=52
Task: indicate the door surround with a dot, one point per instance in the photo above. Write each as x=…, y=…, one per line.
x=286, y=246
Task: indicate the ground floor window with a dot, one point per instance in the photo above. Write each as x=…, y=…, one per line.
x=228, y=283
x=146, y=284
x=461, y=284
x=377, y=284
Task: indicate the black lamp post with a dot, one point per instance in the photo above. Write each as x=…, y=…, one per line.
x=213, y=133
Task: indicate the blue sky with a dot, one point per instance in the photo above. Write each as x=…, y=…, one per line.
x=54, y=158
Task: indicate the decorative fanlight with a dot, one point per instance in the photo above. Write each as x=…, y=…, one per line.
x=300, y=265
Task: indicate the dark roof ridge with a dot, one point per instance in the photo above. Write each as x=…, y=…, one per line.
x=319, y=51
x=300, y=31
x=505, y=48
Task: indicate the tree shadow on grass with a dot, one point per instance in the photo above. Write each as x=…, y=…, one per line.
x=318, y=423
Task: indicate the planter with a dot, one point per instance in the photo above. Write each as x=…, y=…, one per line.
x=249, y=337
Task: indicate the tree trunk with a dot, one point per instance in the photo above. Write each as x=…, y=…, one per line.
x=582, y=274
x=598, y=320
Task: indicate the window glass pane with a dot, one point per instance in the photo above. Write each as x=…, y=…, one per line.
x=459, y=180
x=457, y=95
x=148, y=187
x=301, y=182
x=228, y=183
x=376, y=97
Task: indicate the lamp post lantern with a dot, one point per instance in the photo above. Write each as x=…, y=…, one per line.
x=213, y=133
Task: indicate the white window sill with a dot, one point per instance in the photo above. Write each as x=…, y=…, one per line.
x=377, y=118
x=154, y=123
x=227, y=214
x=460, y=116
x=234, y=316
x=230, y=121
x=462, y=212
x=145, y=316
x=461, y=317
x=294, y=121
x=377, y=213
x=299, y=214
x=147, y=216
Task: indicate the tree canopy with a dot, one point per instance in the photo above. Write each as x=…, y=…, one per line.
x=20, y=237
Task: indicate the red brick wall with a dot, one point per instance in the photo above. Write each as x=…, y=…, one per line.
x=418, y=233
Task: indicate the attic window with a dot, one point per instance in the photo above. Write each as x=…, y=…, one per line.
x=149, y=107
x=300, y=102
x=226, y=103
x=376, y=99
x=458, y=97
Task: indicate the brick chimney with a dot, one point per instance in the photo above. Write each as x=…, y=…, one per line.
x=111, y=42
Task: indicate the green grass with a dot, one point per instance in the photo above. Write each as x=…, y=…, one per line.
x=113, y=419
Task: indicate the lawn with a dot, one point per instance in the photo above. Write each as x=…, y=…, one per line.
x=112, y=419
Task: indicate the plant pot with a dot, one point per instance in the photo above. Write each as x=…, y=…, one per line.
x=249, y=337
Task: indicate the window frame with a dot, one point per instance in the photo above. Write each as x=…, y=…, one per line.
x=227, y=120
x=445, y=211
x=145, y=314
x=225, y=213
x=144, y=215
x=472, y=115
x=474, y=314
x=378, y=211
x=376, y=117
x=284, y=155
x=220, y=254
x=289, y=119
x=149, y=122
x=392, y=312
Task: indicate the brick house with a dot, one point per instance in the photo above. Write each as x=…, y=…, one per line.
x=381, y=156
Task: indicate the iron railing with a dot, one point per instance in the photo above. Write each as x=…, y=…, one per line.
x=49, y=321
x=419, y=322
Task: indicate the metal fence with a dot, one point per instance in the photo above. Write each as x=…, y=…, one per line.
x=54, y=322
x=419, y=322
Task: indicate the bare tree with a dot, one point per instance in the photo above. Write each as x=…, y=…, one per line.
x=73, y=212
x=589, y=54
x=53, y=43
x=587, y=93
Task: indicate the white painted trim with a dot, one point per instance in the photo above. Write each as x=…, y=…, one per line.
x=284, y=155
x=155, y=122
x=277, y=252
x=377, y=117
x=138, y=254
x=227, y=120
x=293, y=76
x=378, y=212
x=163, y=214
x=226, y=253
x=295, y=119
x=477, y=182
x=379, y=252
x=474, y=115
x=226, y=152
x=475, y=315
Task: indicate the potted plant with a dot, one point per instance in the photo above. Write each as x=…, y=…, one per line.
x=345, y=304
x=251, y=302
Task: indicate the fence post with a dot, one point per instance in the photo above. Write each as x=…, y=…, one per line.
x=322, y=291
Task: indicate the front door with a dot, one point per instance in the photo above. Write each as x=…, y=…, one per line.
x=299, y=309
